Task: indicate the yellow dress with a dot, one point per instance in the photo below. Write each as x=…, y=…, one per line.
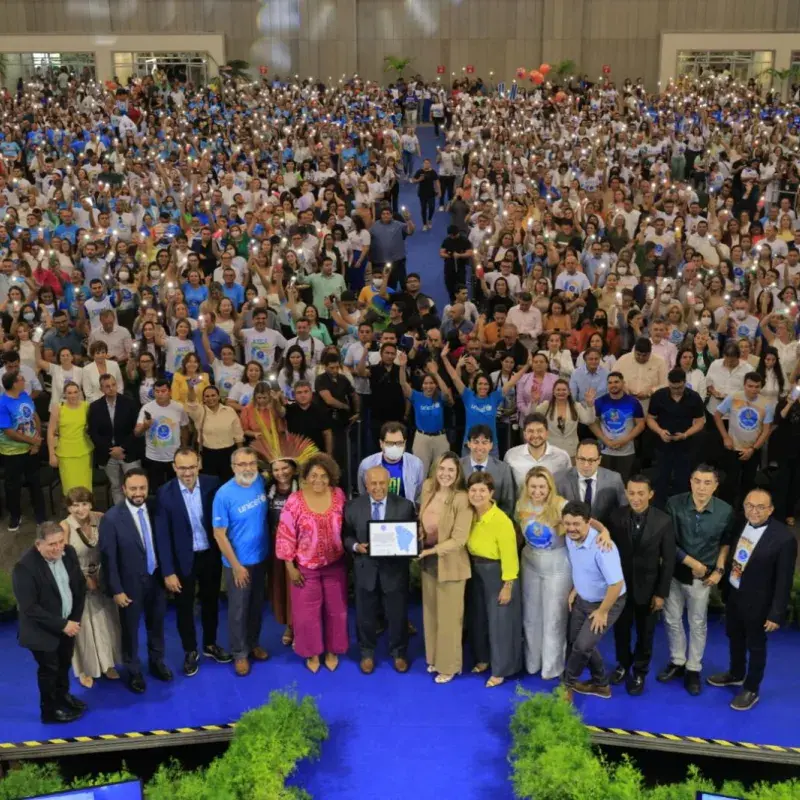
x=74, y=448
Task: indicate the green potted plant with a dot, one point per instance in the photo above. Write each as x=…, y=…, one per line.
x=8, y=603
x=394, y=64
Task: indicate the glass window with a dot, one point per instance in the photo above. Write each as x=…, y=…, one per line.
x=740, y=65
x=47, y=66
x=187, y=66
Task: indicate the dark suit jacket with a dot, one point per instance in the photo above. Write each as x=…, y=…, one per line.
x=102, y=434
x=357, y=514
x=123, y=558
x=608, y=491
x=173, y=531
x=647, y=565
x=39, y=601
x=505, y=490
x=766, y=582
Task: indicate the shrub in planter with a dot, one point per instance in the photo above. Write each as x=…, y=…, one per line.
x=552, y=759
x=8, y=603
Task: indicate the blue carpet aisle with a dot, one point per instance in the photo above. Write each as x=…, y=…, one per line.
x=397, y=736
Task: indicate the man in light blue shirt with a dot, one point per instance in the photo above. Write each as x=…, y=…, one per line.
x=595, y=602
x=590, y=375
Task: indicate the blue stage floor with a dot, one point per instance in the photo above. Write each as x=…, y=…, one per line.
x=430, y=741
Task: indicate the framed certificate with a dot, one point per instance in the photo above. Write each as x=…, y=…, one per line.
x=393, y=539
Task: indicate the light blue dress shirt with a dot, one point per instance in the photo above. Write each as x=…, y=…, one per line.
x=194, y=508
x=593, y=571
x=582, y=380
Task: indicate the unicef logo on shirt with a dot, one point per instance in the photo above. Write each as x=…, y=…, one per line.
x=614, y=421
x=748, y=419
x=538, y=535
x=743, y=331
x=163, y=432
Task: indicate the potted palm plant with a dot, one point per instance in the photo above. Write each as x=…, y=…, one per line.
x=8, y=603
x=394, y=64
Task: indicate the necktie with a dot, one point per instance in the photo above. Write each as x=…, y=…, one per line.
x=149, y=552
x=480, y=467
x=588, y=498
x=376, y=511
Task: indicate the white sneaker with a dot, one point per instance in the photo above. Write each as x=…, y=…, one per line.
x=441, y=208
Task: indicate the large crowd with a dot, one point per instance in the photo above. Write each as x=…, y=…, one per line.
x=595, y=421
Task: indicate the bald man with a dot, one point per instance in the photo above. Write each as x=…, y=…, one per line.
x=379, y=581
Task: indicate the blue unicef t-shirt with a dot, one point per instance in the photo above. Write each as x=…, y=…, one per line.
x=395, y=476
x=194, y=296
x=428, y=412
x=242, y=510
x=481, y=410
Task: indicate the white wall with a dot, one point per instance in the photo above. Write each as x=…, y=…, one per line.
x=782, y=45
x=105, y=45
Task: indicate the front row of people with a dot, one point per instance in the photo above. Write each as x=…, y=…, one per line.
x=86, y=584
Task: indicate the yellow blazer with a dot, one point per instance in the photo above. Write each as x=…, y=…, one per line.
x=180, y=387
x=455, y=524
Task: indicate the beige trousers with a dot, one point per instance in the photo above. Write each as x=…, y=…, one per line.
x=443, y=618
x=428, y=448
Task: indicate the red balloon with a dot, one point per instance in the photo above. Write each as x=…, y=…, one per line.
x=521, y=72
x=537, y=77
x=544, y=69
x=560, y=97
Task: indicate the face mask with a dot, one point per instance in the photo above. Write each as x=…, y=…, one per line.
x=29, y=316
x=377, y=283
x=741, y=313
x=154, y=274
x=706, y=321
x=123, y=276
x=698, y=306
x=666, y=297
x=394, y=452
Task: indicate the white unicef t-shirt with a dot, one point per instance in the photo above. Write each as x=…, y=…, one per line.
x=260, y=346
x=163, y=438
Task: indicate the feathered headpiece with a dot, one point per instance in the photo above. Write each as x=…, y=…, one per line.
x=272, y=446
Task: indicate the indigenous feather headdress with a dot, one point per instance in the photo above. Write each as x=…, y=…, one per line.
x=271, y=446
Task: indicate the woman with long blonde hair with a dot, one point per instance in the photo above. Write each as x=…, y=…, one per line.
x=445, y=522
x=546, y=574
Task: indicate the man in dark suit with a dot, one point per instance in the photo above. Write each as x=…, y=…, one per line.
x=130, y=564
x=110, y=423
x=378, y=581
x=190, y=555
x=50, y=590
x=587, y=482
x=480, y=442
x=646, y=542
x=758, y=580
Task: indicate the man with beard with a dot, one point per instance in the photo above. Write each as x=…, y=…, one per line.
x=239, y=516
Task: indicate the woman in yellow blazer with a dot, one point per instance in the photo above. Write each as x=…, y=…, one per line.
x=190, y=373
x=445, y=521
x=494, y=599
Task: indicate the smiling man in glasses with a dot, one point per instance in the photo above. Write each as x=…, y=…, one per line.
x=757, y=584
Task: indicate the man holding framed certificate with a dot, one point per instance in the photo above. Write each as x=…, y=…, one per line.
x=380, y=530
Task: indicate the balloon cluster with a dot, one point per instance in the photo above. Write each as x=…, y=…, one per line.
x=536, y=76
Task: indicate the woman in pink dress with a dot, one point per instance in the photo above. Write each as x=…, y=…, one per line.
x=309, y=540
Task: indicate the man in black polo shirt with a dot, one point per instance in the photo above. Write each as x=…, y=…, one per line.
x=456, y=250
x=206, y=250
x=388, y=399
x=676, y=414
x=427, y=180
x=309, y=417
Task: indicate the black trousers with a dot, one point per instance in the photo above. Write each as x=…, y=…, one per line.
x=20, y=469
x=740, y=476
x=746, y=637
x=786, y=487
x=53, y=674
x=454, y=275
x=672, y=467
x=448, y=183
x=645, y=622
x=204, y=581
x=427, y=207
x=150, y=603
x=218, y=462
x=158, y=473
x=394, y=603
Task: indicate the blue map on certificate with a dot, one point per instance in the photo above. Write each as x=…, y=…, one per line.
x=405, y=538
x=393, y=539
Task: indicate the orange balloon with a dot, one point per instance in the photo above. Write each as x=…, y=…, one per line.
x=560, y=97
x=544, y=69
x=537, y=77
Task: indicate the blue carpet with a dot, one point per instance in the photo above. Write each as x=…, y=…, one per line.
x=422, y=249
x=395, y=736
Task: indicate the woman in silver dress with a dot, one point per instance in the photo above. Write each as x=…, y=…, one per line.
x=97, y=646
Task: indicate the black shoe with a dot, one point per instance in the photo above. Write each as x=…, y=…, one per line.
x=635, y=684
x=671, y=671
x=136, y=683
x=691, y=680
x=744, y=701
x=62, y=715
x=217, y=653
x=158, y=669
x=191, y=664
x=70, y=701
x=724, y=679
x=619, y=675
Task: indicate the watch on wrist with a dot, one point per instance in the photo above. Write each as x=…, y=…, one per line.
x=719, y=570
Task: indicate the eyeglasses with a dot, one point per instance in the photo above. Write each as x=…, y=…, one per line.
x=587, y=460
x=753, y=507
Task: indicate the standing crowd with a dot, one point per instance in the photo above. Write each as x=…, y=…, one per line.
x=207, y=306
